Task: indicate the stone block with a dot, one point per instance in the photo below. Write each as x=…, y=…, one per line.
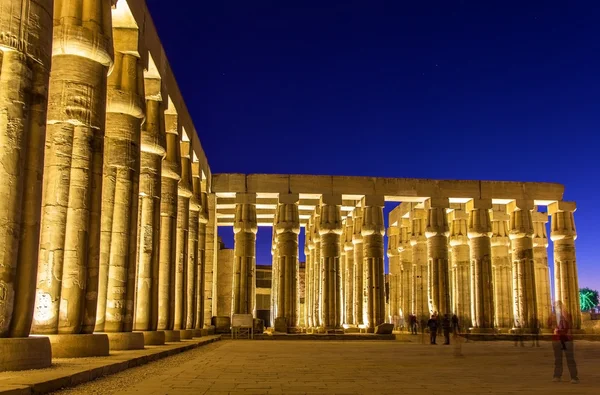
x=384, y=329
x=458, y=188
x=311, y=184
x=222, y=324
x=154, y=338
x=268, y=183
x=353, y=185
x=24, y=353
x=561, y=206
x=126, y=341
x=259, y=326
x=281, y=325
x=172, y=336
x=186, y=334
x=79, y=346
x=234, y=182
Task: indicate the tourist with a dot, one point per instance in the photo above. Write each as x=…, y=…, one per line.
x=446, y=327
x=562, y=342
x=455, y=327
x=432, y=324
x=413, y=324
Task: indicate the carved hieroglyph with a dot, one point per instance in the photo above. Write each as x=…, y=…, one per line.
x=82, y=54
x=25, y=51
x=244, y=265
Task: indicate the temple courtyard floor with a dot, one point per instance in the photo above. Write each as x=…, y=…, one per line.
x=355, y=367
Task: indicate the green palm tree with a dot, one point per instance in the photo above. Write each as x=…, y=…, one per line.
x=588, y=299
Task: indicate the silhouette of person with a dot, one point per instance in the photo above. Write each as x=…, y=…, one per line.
x=455, y=327
x=446, y=327
x=432, y=324
x=562, y=342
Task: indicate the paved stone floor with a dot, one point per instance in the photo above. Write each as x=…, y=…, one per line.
x=355, y=367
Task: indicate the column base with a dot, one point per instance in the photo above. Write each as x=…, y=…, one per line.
x=24, y=353
x=186, y=334
x=79, y=346
x=153, y=338
x=482, y=330
x=294, y=330
x=172, y=336
x=125, y=340
x=197, y=332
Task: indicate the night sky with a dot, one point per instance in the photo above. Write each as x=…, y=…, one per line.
x=492, y=90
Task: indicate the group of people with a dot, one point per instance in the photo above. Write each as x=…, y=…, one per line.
x=436, y=323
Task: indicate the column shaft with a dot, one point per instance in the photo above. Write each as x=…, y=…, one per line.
x=406, y=269
x=201, y=268
x=437, y=253
x=419, y=258
x=501, y=269
x=372, y=231
x=330, y=230
x=210, y=258
x=459, y=242
x=244, y=265
x=349, y=274
x=395, y=273
x=540, y=263
x=317, y=270
x=358, y=285
x=308, y=296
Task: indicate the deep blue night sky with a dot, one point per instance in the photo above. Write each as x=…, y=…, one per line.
x=496, y=90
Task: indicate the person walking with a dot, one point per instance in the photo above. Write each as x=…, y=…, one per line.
x=446, y=328
x=562, y=343
x=413, y=324
x=432, y=324
x=455, y=327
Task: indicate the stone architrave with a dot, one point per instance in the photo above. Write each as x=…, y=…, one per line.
x=521, y=232
x=358, y=286
x=349, y=273
x=330, y=229
x=373, y=230
x=436, y=232
x=406, y=269
x=125, y=112
x=72, y=191
x=244, y=264
x=461, y=262
x=418, y=242
x=540, y=263
x=563, y=234
x=501, y=269
x=395, y=275
x=482, y=295
x=287, y=228
x=170, y=176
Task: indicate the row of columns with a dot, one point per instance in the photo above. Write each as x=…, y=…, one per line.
x=488, y=264
x=104, y=210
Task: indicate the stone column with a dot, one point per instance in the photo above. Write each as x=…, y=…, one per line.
x=358, y=286
x=308, y=276
x=25, y=52
x=396, y=290
x=330, y=230
x=521, y=232
x=373, y=229
x=349, y=274
x=120, y=193
x=482, y=294
x=287, y=228
x=210, y=260
x=244, y=264
x=170, y=176
x=540, y=264
x=501, y=268
x=72, y=186
x=461, y=262
x=563, y=234
x=437, y=253
x=418, y=242
x=406, y=269
x=317, y=269
x=201, y=268
x=194, y=268
x=274, y=273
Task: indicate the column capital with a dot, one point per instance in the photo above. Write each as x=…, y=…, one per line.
x=357, y=225
x=540, y=236
x=245, y=213
x=519, y=204
x=563, y=221
x=331, y=216
x=393, y=241
x=437, y=203
x=196, y=200
x=499, y=220
x=484, y=204
x=418, y=218
x=288, y=218
x=372, y=201
x=245, y=198
x=561, y=206
x=184, y=188
x=405, y=235
x=520, y=219
x=372, y=218
x=171, y=164
x=458, y=219
x=348, y=233
x=437, y=220
x=479, y=219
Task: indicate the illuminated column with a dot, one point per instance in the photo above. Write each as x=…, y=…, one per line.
x=373, y=229
x=317, y=269
x=436, y=232
x=349, y=274
x=461, y=262
x=482, y=295
x=406, y=269
x=521, y=232
x=330, y=230
x=287, y=228
x=540, y=264
x=501, y=268
x=210, y=259
x=563, y=234
x=341, y=274
x=358, y=286
x=25, y=51
x=201, y=268
x=244, y=260
x=274, y=273
x=72, y=186
x=418, y=242
x=194, y=263
x=396, y=289
x=170, y=176
x=308, y=276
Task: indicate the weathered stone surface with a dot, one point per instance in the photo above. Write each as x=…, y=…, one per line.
x=384, y=329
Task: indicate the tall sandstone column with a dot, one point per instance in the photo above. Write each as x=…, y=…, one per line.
x=501, y=269
x=194, y=263
x=69, y=255
x=287, y=228
x=330, y=230
x=482, y=295
x=25, y=52
x=521, y=232
x=153, y=149
x=170, y=176
x=563, y=234
x=274, y=273
x=395, y=273
x=418, y=242
x=317, y=269
x=406, y=269
x=461, y=262
x=349, y=274
x=540, y=264
x=373, y=230
x=210, y=259
x=308, y=276
x=201, y=268
x=244, y=261
x=437, y=253
x=357, y=241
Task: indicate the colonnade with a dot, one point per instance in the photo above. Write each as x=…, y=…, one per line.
x=103, y=209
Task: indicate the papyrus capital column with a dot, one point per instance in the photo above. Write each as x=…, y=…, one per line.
x=501, y=268
x=348, y=276
x=315, y=248
x=194, y=264
x=482, y=296
x=244, y=264
x=458, y=220
x=309, y=246
x=521, y=232
x=393, y=255
x=563, y=234
x=418, y=242
x=437, y=250
x=540, y=262
x=330, y=229
x=406, y=268
x=202, y=261
x=287, y=228
x=373, y=230
x=359, y=288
